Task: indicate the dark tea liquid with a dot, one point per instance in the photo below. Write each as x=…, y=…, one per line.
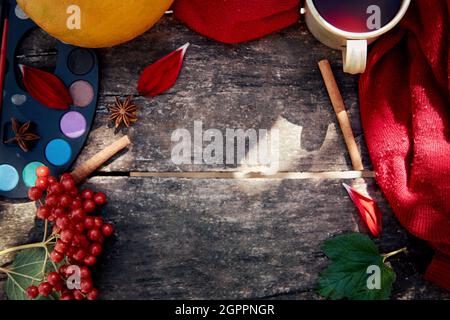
x=353, y=16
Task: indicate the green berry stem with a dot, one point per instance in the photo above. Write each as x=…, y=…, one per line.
x=7, y=271
x=393, y=253
x=42, y=244
x=23, y=247
x=45, y=230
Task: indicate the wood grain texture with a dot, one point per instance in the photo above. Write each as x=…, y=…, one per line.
x=270, y=82
x=16, y=223
x=229, y=238
x=249, y=238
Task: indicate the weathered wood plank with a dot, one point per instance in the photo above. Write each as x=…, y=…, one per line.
x=244, y=238
x=16, y=222
x=260, y=84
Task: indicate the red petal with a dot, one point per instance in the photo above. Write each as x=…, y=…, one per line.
x=368, y=208
x=162, y=75
x=46, y=88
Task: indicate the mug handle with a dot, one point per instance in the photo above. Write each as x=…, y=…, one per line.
x=355, y=56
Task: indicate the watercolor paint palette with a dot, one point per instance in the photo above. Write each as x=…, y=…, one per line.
x=62, y=133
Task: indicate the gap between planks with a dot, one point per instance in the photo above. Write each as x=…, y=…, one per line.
x=242, y=175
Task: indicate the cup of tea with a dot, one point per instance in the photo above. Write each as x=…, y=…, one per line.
x=351, y=25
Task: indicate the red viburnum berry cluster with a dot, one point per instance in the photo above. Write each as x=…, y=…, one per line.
x=79, y=234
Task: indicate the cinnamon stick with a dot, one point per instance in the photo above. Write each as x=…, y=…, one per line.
x=339, y=108
x=88, y=167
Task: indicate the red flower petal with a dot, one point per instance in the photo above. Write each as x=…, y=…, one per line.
x=162, y=75
x=46, y=88
x=368, y=208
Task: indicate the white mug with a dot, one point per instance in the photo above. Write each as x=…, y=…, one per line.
x=353, y=44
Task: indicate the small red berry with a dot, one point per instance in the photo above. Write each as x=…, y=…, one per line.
x=63, y=222
x=68, y=184
x=67, y=236
x=45, y=289
x=79, y=255
x=100, y=198
x=53, y=278
x=59, y=212
x=56, y=256
x=79, y=227
x=61, y=247
x=98, y=222
x=87, y=194
x=95, y=249
x=32, y=292
x=52, y=180
x=80, y=241
x=42, y=172
x=66, y=291
x=89, y=206
x=90, y=260
x=43, y=212
x=76, y=204
x=107, y=229
x=93, y=295
x=89, y=222
x=41, y=183
x=94, y=234
x=73, y=193
x=52, y=200
x=66, y=176
x=66, y=296
x=63, y=270
x=34, y=193
x=78, y=214
x=65, y=201
x=86, y=285
x=71, y=251
x=56, y=188
x=78, y=295
x=85, y=272
x=58, y=286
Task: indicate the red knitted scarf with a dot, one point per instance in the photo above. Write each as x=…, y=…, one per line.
x=404, y=101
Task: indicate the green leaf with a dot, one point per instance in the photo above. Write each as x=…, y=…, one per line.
x=28, y=264
x=347, y=275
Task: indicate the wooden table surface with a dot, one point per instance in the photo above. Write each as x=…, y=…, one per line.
x=204, y=231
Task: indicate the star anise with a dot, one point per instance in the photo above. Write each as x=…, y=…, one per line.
x=123, y=112
x=22, y=135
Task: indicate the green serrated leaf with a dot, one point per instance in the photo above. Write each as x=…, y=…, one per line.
x=28, y=269
x=346, y=276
